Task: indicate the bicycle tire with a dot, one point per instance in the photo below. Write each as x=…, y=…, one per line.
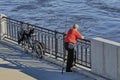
x=39, y=49
x=26, y=46
x=20, y=36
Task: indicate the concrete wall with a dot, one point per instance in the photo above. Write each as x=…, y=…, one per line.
x=3, y=26
x=105, y=58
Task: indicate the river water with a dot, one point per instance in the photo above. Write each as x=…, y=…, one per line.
x=95, y=17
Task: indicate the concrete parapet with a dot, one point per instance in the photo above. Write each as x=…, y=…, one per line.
x=105, y=55
x=3, y=26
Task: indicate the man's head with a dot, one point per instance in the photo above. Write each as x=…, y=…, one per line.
x=75, y=26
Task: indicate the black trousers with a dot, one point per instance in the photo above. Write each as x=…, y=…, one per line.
x=70, y=57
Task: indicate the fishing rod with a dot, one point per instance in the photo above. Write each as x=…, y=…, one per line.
x=118, y=36
x=63, y=66
x=108, y=37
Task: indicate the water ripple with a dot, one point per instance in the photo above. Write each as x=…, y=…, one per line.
x=95, y=17
x=25, y=7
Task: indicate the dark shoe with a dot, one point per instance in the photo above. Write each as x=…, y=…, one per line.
x=68, y=70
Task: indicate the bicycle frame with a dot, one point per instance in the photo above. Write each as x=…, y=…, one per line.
x=30, y=43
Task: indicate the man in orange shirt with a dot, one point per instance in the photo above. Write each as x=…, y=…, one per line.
x=70, y=41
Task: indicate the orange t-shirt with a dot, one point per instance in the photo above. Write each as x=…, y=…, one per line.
x=72, y=36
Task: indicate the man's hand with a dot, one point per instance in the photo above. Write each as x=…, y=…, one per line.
x=83, y=37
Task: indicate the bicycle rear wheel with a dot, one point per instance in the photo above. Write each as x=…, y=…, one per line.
x=39, y=49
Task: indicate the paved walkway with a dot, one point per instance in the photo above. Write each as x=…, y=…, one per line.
x=16, y=65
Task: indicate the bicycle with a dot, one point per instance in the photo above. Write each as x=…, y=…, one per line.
x=26, y=38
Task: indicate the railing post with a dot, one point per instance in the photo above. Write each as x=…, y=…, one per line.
x=56, y=44
x=3, y=26
x=64, y=51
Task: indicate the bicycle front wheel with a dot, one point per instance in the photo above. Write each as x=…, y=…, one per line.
x=39, y=49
